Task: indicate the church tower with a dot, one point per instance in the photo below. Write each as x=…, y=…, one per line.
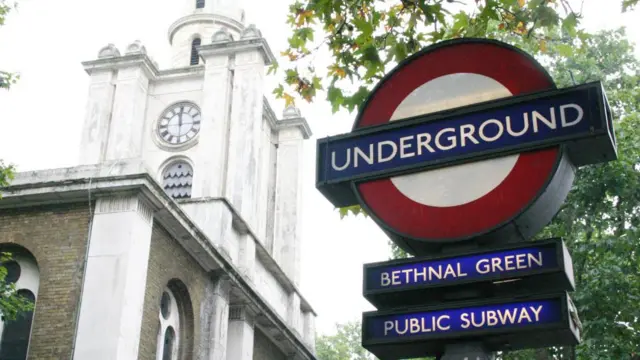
x=205, y=128
x=192, y=189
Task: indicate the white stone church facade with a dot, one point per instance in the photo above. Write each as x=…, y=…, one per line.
x=178, y=235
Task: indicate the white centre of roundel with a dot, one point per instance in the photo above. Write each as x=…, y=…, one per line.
x=460, y=184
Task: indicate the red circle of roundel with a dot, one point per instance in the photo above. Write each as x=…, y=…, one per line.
x=515, y=71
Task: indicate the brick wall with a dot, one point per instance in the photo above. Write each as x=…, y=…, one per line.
x=169, y=261
x=56, y=236
x=264, y=349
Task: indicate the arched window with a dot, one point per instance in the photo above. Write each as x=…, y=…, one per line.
x=22, y=271
x=177, y=179
x=199, y=4
x=195, y=59
x=168, y=336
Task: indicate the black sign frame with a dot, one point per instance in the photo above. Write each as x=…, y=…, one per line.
x=556, y=279
x=565, y=332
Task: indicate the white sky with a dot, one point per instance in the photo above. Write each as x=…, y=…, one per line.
x=42, y=115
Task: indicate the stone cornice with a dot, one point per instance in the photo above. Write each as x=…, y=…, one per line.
x=232, y=47
x=299, y=122
x=203, y=18
x=268, y=113
x=120, y=62
x=261, y=250
x=182, y=72
x=87, y=183
x=278, y=124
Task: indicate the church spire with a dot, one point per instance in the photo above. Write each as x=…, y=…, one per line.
x=200, y=20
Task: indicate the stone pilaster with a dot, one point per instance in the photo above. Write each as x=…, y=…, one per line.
x=309, y=330
x=247, y=256
x=208, y=180
x=215, y=315
x=241, y=331
x=115, y=278
x=293, y=313
x=128, y=117
x=245, y=132
x=292, y=130
x=97, y=117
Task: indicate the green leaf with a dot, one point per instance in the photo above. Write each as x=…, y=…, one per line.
x=304, y=34
x=546, y=16
x=273, y=68
x=370, y=53
x=628, y=5
x=533, y=4
x=335, y=97
x=569, y=24
x=358, y=98
x=460, y=21
x=564, y=50
x=316, y=83
x=364, y=26
x=489, y=12
x=400, y=51
x=429, y=11
x=296, y=41
x=279, y=91
x=292, y=76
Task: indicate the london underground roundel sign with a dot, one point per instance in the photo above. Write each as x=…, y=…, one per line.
x=464, y=140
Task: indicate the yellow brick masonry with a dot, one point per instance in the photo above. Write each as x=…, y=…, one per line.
x=56, y=236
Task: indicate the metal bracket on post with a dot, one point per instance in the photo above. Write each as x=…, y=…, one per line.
x=466, y=351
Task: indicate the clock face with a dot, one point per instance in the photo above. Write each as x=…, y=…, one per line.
x=179, y=124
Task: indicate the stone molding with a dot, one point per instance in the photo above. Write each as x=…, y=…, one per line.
x=108, y=51
x=287, y=122
x=262, y=254
x=120, y=62
x=298, y=122
x=242, y=45
x=116, y=204
x=269, y=114
x=203, y=18
x=136, y=47
x=241, y=313
x=145, y=211
x=221, y=35
x=123, y=203
x=221, y=282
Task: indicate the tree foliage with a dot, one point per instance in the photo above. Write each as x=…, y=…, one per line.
x=344, y=344
x=365, y=38
x=11, y=304
x=600, y=221
x=6, y=78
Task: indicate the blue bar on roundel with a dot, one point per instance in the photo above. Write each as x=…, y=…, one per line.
x=492, y=129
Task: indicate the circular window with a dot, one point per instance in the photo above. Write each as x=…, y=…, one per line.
x=13, y=271
x=165, y=305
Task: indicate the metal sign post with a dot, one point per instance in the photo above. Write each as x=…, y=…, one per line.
x=462, y=154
